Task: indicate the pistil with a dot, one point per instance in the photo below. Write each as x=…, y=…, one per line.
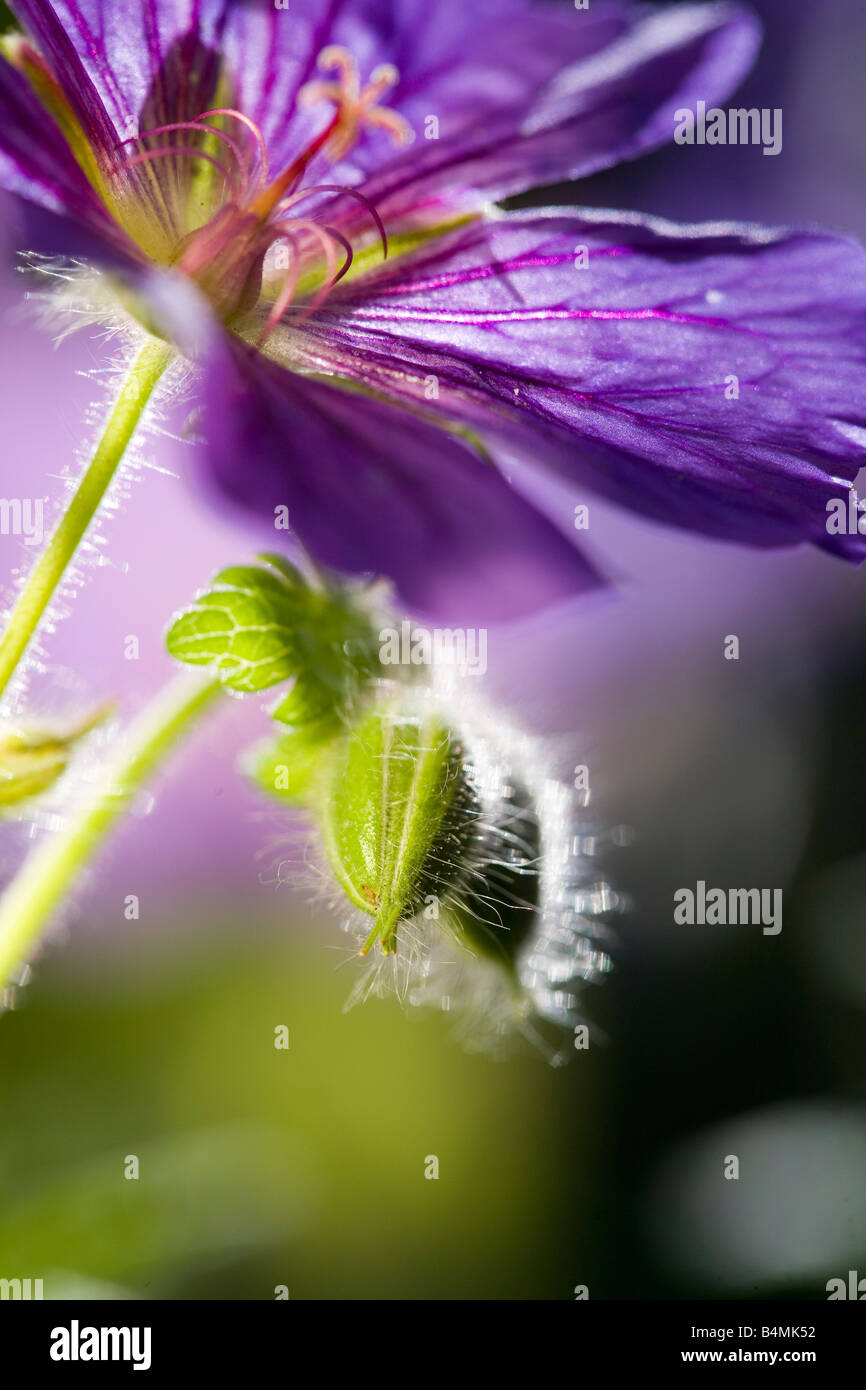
x=355, y=108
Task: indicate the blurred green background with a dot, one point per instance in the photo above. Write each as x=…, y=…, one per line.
x=260, y=1167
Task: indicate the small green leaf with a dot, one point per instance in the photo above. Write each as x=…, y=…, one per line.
x=290, y=572
x=306, y=703
x=262, y=625
x=336, y=659
x=244, y=628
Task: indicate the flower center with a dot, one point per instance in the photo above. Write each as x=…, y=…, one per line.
x=187, y=170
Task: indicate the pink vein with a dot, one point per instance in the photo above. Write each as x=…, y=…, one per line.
x=480, y=316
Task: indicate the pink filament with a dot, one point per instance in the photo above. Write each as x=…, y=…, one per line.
x=326, y=237
x=251, y=126
x=198, y=127
x=326, y=242
x=212, y=239
x=350, y=255
x=352, y=193
x=170, y=151
x=284, y=298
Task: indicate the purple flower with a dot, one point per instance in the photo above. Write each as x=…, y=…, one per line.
x=245, y=170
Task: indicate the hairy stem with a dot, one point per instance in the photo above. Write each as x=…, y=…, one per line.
x=52, y=867
x=144, y=374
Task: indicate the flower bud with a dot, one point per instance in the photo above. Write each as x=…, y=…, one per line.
x=445, y=828
x=392, y=817
x=32, y=758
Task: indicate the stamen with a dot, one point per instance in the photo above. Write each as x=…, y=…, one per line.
x=326, y=237
x=197, y=127
x=268, y=199
x=350, y=255
x=352, y=193
x=207, y=244
x=284, y=298
x=251, y=126
x=327, y=244
x=172, y=151
x=242, y=163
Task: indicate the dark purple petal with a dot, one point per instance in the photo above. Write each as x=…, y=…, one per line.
x=371, y=488
x=533, y=96
x=462, y=63
x=126, y=67
x=710, y=377
x=118, y=63
x=60, y=211
x=56, y=35
x=524, y=92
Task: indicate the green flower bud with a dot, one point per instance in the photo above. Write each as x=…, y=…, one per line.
x=32, y=758
x=395, y=806
x=445, y=828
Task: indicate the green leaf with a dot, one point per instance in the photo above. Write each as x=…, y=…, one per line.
x=337, y=658
x=261, y=625
x=245, y=628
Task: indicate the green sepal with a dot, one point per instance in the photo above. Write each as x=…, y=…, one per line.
x=337, y=657
x=291, y=767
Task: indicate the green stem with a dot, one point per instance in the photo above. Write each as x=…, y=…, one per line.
x=46, y=574
x=52, y=867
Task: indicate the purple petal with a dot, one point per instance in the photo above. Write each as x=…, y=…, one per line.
x=152, y=61
x=37, y=164
x=372, y=488
x=709, y=377
x=539, y=96
x=56, y=35
x=270, y=54
x=465, y=64
x=462, y=63
x=523, y=93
